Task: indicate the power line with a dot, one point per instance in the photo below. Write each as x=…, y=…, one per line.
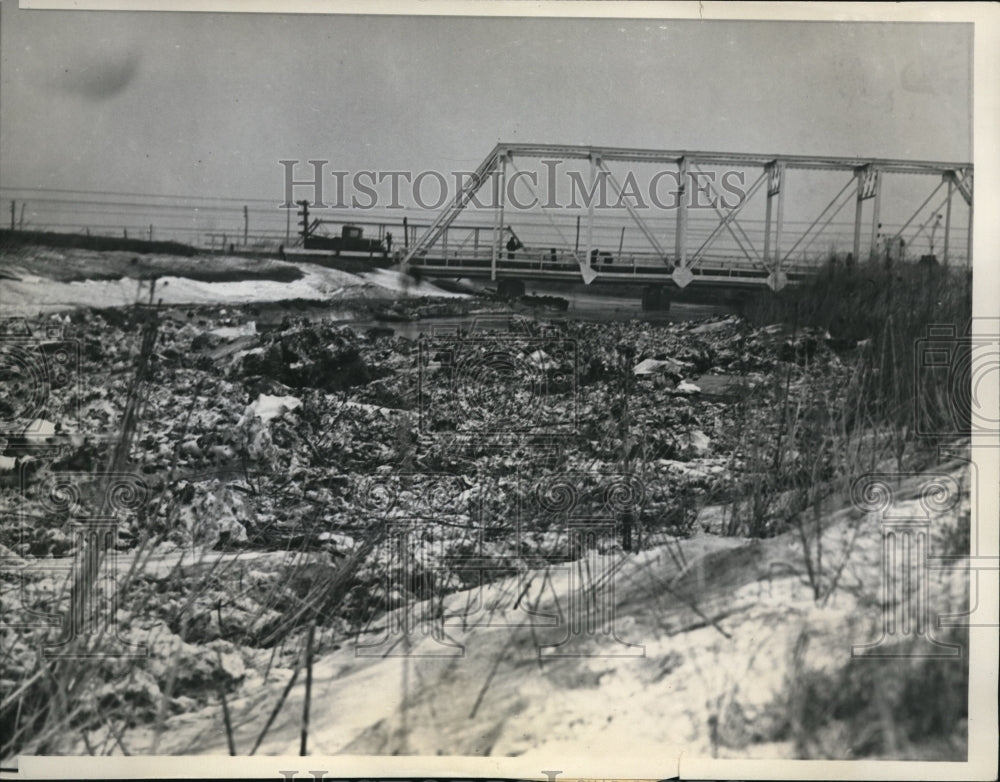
x=118, y=193
x=71, y=204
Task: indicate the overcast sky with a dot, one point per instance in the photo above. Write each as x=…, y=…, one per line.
x=206, y=104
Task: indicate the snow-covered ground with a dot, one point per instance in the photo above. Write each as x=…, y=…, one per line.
x=397, y=282
x=32, y=294
x=695, y=648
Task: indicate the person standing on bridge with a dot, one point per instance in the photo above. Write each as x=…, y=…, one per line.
x=512, y=246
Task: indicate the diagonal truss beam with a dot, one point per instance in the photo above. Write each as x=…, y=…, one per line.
x=963, y=181
x=552, y=223
x=829, y=219
x=919, y=209
x=650, y=236
x=486, y=169
x=822, y=214
x=730, y=217
x=935, y=211
x=583, y=261
x=730, y=225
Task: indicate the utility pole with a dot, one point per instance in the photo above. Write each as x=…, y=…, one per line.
x=13, y=209
x=934, y=228
x=304, y=222
x=246, y=224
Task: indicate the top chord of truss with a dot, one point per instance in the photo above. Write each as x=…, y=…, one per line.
x=585, y=152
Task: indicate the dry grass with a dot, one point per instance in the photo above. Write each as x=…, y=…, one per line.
x=805, y=435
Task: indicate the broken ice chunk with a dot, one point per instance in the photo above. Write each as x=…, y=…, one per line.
x=267, y=407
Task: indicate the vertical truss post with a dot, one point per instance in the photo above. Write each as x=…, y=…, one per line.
x=968, y=249
x=501, y=185
x=947, y=216
x=775, y=182
x=776, y=279
x=876, y=209
x=868, y=187
x=780, y=221
x=857, y=216
x=767, y=219
x=962, y=180
x=680, y=237
x=682, y=275
x=594, y=162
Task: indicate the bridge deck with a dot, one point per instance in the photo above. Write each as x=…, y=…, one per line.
x=627, y=269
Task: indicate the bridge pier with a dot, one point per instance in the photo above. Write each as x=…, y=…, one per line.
x=656, y=297
x=510, y=289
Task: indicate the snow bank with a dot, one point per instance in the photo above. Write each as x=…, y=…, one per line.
x=399, y=282
x=32, y=294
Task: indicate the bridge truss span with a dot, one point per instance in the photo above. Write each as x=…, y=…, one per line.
x=693, y=217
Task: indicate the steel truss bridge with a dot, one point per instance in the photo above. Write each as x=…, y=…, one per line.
x=677, y=260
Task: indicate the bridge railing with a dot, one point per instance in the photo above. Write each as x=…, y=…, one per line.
x=605, y=262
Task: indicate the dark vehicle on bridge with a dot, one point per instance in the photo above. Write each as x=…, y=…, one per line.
x=351, y=241
x=349, y=250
